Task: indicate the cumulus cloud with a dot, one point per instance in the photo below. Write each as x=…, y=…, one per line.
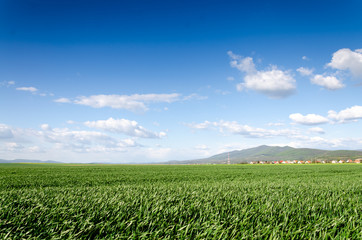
x=135, y=102
x=272, y=82
x=305, y=71
x=348, y=114
x=128, y=127
x=309, y=119
x=28, y=89
x=346, y=59
x=234, y=127
x=328, y=82
x=242, y=64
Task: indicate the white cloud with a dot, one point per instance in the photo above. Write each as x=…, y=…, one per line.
x=45, y=127
x=5, y=132
x=84, y=141
x=128, y=127
x=328, y=82
x=136, y=102
x=317, y=130
x=18, y=148
x=348, y=114
x=309, y=119
x=325, y=143
x=305, y=71
x=305, y=58
x=28, y=89
x=346, y=59
x=64, y=144
x=234, y=127
x=61, y=140
x=62, y=100
x=273, y=82
x=13, y=146
x=242, y=64
x=230, y=78
x=66, y=135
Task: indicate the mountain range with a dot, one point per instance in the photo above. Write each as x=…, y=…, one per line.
x=271, y=153
x=26, y=161
x=261, y=153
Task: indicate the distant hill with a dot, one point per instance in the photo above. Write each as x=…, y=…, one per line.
x=261, y=153
x=268, y=153
x=26, y=161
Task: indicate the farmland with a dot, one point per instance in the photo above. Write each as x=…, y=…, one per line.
x=59, y=201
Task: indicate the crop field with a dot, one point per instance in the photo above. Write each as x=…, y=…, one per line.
x=65, y=201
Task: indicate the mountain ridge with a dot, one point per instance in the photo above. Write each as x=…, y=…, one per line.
x=260, y=153
x=273, y=153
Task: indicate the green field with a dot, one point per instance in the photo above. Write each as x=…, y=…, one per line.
x=55, y=201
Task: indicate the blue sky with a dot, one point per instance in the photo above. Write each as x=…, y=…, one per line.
x=141, y=81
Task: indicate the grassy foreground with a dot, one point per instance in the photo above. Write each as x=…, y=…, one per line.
x=44, y=201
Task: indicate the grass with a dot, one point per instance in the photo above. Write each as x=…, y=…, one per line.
x=55, y=201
